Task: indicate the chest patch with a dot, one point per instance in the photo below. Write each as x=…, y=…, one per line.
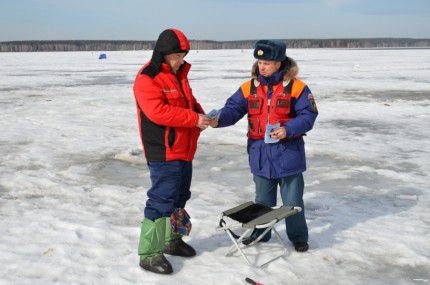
x=254, y=104
x=282, y=103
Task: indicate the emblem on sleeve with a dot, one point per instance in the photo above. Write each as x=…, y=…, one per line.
x=312, y=101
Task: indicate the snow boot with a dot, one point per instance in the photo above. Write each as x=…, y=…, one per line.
x=179, y=248
x=255, y=234
x=151, y=246
x=174, y=245
x=157, y=264
x=301, y=246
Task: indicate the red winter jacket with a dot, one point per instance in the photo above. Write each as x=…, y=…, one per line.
x=167, y=113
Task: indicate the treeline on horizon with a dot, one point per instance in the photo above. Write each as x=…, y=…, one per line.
x=108, y=45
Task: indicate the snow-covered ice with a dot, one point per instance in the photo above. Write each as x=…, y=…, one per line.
x=73, y=180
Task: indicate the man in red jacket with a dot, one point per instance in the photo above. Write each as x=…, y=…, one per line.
x=170, y=122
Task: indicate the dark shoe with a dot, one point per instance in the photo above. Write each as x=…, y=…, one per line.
x=157, y=264
x=301, y=246
x=178, y=247
x=255, y=234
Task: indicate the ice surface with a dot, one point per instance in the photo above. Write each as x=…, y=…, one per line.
x=73, y=180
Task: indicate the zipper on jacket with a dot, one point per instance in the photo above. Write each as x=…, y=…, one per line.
x=259, y=126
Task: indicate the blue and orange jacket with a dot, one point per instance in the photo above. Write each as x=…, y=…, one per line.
x=286, y=157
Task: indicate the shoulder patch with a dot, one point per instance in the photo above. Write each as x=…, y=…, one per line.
x=246, y=88
x=312, y=101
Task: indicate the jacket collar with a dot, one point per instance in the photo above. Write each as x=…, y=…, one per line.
x=272, y=80
x=181, y=73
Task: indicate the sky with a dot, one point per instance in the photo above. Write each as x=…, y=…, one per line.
x=212, y=19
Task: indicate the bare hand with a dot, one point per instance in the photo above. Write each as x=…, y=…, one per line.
x=214, y=123
x=203, y=122
x=279, y=133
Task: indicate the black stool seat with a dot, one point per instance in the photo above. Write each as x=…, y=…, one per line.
x=250, y=213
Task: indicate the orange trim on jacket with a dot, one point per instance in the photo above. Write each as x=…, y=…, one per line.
x=262, y=111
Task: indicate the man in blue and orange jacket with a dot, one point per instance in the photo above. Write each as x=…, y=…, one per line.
x=275, y=99
x=170, y=122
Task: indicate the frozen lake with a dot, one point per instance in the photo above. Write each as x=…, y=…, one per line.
x=73, y=179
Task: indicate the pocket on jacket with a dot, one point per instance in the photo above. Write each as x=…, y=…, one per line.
x=292, y=155
x=255, y=106
x=171, y=93
x=282, y=106
x=171, y=137
x=254, y=126
x=255, y=157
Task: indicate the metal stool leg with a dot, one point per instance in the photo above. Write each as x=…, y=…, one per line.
x=257, y=224
x=236, y=246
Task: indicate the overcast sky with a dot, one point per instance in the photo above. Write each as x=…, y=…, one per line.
x=212, y=19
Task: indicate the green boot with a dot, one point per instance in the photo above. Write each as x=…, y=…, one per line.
x=170, y=236
x=151, y=246
x=174, y=245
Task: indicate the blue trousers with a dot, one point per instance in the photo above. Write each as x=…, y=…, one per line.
x=292, y=195
x=171, y=181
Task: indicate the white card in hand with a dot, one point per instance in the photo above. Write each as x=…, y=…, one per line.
x=269, y=128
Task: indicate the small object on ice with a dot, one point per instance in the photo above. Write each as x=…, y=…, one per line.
x=408, y=197
x=102, y=56
x=386, y=104
x=249, y=280
x=48, y=251
x=135, y=152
